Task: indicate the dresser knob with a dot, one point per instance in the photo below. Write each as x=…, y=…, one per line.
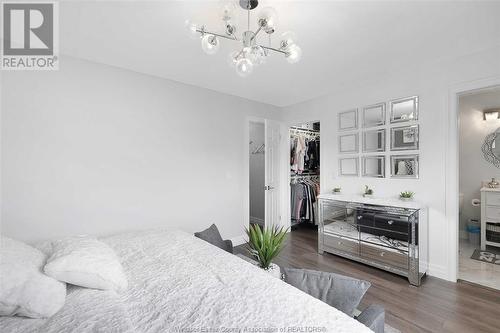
x=382, y=254
x=390, y=222
x=360, y=217
x=340, y=243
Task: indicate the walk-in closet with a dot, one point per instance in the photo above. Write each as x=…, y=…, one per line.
x=304, y=174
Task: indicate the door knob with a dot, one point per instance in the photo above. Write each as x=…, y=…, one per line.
x=390, y=222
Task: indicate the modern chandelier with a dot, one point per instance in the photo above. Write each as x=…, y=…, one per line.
x=251, y=52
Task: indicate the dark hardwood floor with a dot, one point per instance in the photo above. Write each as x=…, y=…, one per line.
x=436, y=306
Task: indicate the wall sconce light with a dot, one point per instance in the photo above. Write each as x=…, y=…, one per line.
x=491, y=114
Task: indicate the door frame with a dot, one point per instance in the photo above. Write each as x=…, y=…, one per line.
x=452, y=166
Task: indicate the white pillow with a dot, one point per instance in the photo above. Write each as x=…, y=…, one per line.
x=24, y=289
x=86, y=262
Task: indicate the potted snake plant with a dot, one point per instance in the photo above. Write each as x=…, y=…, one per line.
x=264, y=244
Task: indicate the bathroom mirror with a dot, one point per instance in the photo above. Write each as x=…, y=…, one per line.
x=348, y=143
x=404, y=109
x=348, y=120
x=404, y=138
x=349, y=166
x=374, y=141
x=491, y=148
x=373, y=166
x=374, y=115
x=404, y=166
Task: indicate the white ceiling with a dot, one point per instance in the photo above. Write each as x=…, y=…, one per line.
x=342, y=42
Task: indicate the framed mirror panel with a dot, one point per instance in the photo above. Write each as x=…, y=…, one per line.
x=404, y=166
x=374, y=141
x=404, y=138
x=374, y=115
x=348, y=120
x=349, y=166
x=348, y=143
x=373, y=166
x=404, y=109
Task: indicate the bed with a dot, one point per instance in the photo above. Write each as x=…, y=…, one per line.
x=179, y=283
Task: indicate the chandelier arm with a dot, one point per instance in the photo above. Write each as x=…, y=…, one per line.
x=203, y=31
x=256, y=33
x=273, y=49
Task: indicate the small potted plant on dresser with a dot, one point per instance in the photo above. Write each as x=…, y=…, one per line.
x=368, y=192
x=406, y=195
x=264, y=244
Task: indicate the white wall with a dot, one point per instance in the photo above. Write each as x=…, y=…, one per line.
x=474, y=169
x=96, y=149
x=432, y=83
x=257, y=171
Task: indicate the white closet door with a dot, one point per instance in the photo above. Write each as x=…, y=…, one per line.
x=272, y=187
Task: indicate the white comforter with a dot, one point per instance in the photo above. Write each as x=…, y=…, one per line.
x=178, y=283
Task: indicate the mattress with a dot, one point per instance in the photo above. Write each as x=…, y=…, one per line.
x=179, y=283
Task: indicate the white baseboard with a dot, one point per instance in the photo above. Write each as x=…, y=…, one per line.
x=238, y=240
x=438, y=271
x=256, y=220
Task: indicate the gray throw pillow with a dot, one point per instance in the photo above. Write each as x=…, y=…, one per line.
x=212, y=236
x=342, y=292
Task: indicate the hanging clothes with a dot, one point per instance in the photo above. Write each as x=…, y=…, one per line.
x=303, y=201
x=304, y=152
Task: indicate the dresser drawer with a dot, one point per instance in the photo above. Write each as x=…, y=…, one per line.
x=493, y=199
x=392, y=223
x=342, y=244
x=493, y=213
x=384, y=256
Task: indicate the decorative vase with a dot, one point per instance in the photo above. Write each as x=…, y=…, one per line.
x=493, y=183
x=368, y=195
x=273, y=270
x=405, y=199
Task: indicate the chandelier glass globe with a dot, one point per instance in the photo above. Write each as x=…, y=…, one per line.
x=287, y=39
x=256, y=54
x=210, y=44
x=244, y=67
x=268, y=19
x=294, y=54
x=232, y=58
x=228, y=8
x=191, y=29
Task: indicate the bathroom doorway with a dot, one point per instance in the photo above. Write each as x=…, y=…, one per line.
x=479, y=191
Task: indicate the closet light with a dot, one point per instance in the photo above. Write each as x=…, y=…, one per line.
x=490, y=115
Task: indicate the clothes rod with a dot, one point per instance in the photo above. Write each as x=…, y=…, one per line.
x=304, y=129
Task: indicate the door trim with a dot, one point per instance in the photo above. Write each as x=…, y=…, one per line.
x=452, y=167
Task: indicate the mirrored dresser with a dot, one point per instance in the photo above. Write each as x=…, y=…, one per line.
x=385, y=233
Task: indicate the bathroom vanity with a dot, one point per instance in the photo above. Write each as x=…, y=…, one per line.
x=385, y=233
x=490, y=217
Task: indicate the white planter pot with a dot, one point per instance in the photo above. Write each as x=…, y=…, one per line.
x=273, y=270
